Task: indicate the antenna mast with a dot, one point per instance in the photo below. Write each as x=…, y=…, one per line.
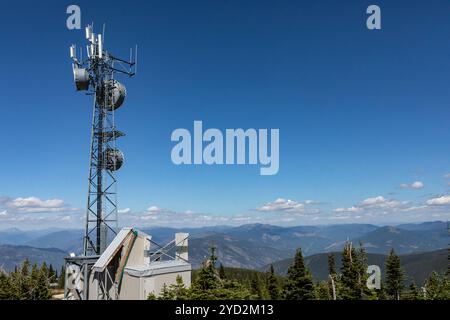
x=96, y=75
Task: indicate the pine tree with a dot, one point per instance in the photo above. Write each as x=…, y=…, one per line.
x=6, y=289
x=381, y=293
x=361, y=268
x=21, y=281
x=255, y=288
x=332, y=276
x=208, y=277
x=178, y=289
x=16, y=289
x=42, y=289
x=62, y=278
x=394, y=276
x=331, y=265
x=350, y=289
x=299, y=285
x=322, y=290
x=166, y=294
x=208, y=285
x=44, y=268
x=413, y=292
x=25, y=268
x=222, y=273
x=34, y=276
x=437, y=287
x=273, y=287
x=51, y=274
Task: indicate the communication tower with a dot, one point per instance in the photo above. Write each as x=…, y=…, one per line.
x=96, y=75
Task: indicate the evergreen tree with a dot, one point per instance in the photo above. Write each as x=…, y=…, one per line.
x=299, y=285
x=394, y=276
x=17, y=290
x=413, y=292
x=208, y=286
x=44, y=268
x=255, y=288
x=353, y=280
x=166, y=294
x=178, y=289
x=437, y=287
x=152, y=296
x=381, y=293
x=22, y=282
x=25, y=268
x=34, y=276
x=332, y=276
x=331, y=265
x=322, y=290
x=361, y=268
x=208, y=277
x=51, y=274
x=42, y=289
x=62, y=278
x=6, y=288
x=222, y=274
x=273, y=287
x=350, y=288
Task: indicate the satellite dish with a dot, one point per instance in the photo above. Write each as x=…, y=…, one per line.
x=115, y=96
x=114, y=159
x=81, y=78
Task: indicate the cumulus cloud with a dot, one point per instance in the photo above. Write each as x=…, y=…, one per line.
x=439, y=201
x=35, y=205
x=379, y=202
x=370, y=207
x=350, y=209
x=154, y=210
x=124, y=211
x=414, y=185
x=380, y=209
x=157, y=216
x=280, y=205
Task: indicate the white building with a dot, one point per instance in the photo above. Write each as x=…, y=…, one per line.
x=131, y=268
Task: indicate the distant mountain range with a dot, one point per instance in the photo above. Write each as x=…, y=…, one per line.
x=255, y=245
x=12, y=256
x=417, y=266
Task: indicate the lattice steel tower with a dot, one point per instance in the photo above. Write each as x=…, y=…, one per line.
x=96, y=75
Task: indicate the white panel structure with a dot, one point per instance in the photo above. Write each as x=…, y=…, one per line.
x=112, y=250
x=129, y=270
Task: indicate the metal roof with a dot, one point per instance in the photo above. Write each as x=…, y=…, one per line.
x=111, y=250
x=158, y=267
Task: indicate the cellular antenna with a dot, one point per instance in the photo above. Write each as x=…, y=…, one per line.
x=113, y=261
x=96, y=75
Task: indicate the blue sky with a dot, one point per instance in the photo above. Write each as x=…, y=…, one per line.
x=362, y=114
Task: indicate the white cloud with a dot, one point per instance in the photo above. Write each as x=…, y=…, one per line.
x=350, y=209
x=417, y=185
x=124, y=211
x=339, y=217
x=280, y=205
x=371, y=208
x=439, y=201
x=447, y=176
x=154, y=210
x=3, y=213
x=414, y=185
x=35, y=205
x=379, y=202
